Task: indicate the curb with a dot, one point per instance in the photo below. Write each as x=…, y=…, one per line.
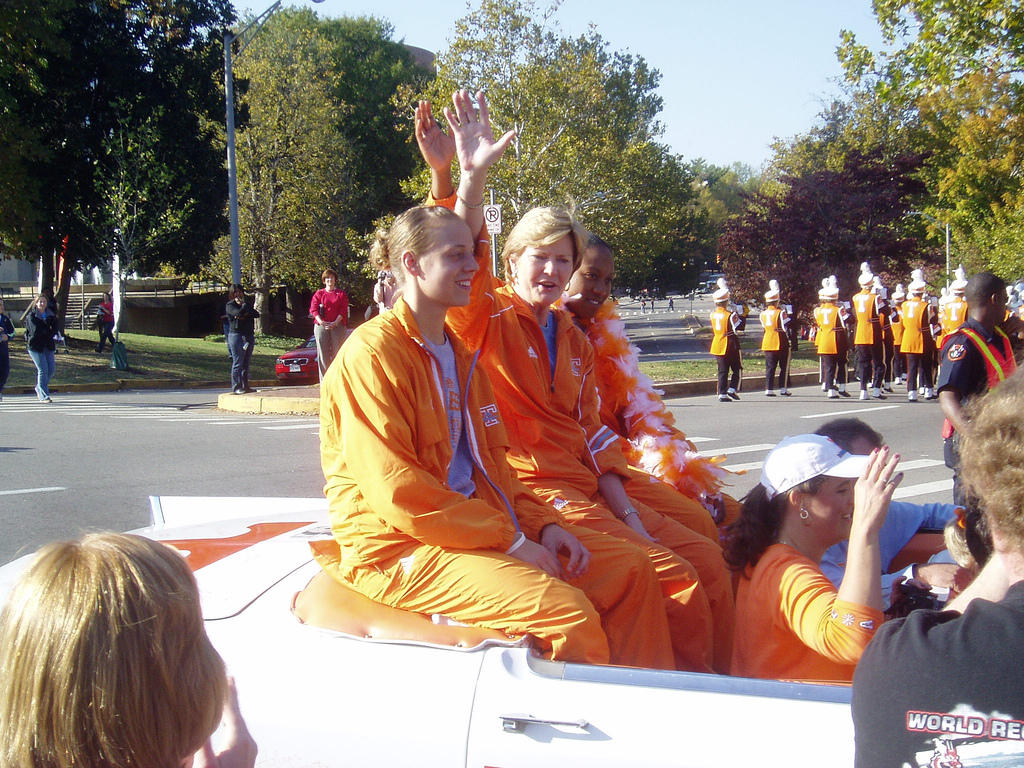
x=120, y=385
x=275, y=399
x=280, y=403
x=258, y=402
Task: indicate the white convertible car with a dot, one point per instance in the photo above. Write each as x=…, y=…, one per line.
x=351, y=683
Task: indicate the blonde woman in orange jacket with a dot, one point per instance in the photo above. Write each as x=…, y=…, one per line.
x=541, y=367
x=425, y=511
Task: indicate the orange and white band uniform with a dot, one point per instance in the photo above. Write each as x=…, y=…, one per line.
x=791, y=625
x=559, y=448
x=773, y=321
x=828, y=321
x=404, y=538
x=724, y=323
x=914, y=316
x=897, y=325
x=952, y=315
x=865, y=309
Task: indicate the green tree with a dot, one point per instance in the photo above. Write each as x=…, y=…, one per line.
x=586, y=123
x=957, y=66
x=140, y=209
x=86, y=72
x=375, y=73
x=322, y=152
x=294, y=167
x=827, y=222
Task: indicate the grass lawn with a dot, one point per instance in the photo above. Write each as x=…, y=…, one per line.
x=149, y=357
x=188, y=359
x=805, y=359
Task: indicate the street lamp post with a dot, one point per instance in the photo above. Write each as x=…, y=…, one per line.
x=248, y=32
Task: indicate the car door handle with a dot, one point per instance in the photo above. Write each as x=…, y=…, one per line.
x=518, y=723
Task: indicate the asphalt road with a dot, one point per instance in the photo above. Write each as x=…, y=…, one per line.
x=90, y=461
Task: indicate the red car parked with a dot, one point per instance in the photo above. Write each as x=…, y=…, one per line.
x=299, y=364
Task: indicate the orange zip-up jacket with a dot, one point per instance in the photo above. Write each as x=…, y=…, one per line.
x=826, y=317
x=384, y=444
x=914, y=314
x=554, y=424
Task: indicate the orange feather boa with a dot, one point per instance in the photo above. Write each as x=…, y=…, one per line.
x=655, y=444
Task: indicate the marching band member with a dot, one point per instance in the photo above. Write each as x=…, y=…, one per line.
x=829, y=323
x=775, y=341
x=725, y=344
x=868, y=337
x=914, y=317
x=899, y=359
x=953, y=314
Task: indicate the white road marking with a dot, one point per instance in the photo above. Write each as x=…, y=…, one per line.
x=906, y=466
x=696, y=440
x=923, y=488
x=852, y=410
x=32, y=490
x=738, y=449
x=743, y=467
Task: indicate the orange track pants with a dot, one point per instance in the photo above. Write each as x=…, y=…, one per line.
x=590, y=620
x=689, y=614
x=694, y=538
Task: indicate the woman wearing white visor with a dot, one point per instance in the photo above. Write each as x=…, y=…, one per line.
x=791, y=622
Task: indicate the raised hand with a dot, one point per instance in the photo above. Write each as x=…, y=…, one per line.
x=239, y=748
x=475, y=145
x=874, y=488
x=436, y=146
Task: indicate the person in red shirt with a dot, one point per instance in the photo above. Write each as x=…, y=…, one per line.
x=105, y=320
x=329, y=309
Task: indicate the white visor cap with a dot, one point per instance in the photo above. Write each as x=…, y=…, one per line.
x=797, y=459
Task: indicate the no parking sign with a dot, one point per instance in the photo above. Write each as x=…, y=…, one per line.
x=492, y=217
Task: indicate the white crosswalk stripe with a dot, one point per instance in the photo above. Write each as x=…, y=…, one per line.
x=163, y=413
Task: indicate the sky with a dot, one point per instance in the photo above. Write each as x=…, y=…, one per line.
x=736, y=74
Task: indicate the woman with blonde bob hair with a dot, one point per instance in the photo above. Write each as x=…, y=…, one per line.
x=541, y=367
x=104, y=660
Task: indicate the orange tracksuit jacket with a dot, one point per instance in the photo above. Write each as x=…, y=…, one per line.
x=559, y=447
x=405, y=539
x=791, y=625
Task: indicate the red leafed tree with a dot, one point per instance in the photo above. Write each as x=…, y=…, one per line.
x=826, y=223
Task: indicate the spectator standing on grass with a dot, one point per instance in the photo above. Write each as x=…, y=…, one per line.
x=329, y=309
x=225, y=321
x=6, y=333
x=40, y=333
x=106, y=322
x=241, y=338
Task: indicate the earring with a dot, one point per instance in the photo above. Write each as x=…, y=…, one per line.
x=804, y=514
